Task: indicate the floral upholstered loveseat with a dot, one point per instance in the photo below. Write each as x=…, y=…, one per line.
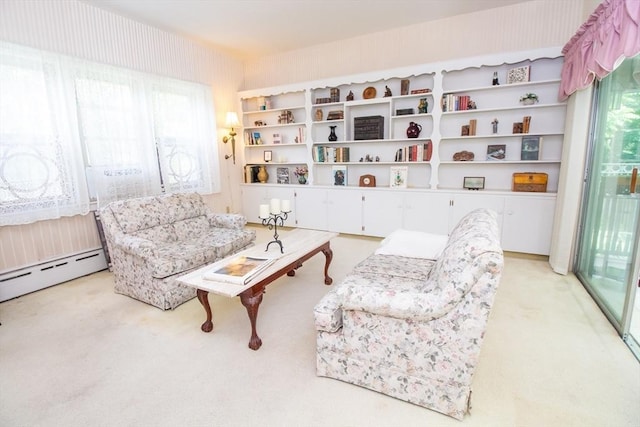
x=412, y=327
x=153, y=240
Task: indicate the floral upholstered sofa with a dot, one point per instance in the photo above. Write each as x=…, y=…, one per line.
x=412, y=327
x=153, y=240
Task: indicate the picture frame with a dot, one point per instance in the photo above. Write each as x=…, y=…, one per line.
x=282, y=175
x=519, y=74
x=398, y=176
x=531, y=147
x=277, y=139
x=268, y=155
x=473, y=182
x=339, y=175
x=496, y=152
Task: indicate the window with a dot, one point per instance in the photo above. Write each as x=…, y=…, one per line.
x=99, y=133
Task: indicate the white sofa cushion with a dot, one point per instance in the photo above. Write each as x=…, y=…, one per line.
x=413, y=244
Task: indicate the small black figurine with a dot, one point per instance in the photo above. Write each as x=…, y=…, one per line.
x=350, y=96
x=387, y=92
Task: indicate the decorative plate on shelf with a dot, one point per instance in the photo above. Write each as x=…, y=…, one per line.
x=369, y=93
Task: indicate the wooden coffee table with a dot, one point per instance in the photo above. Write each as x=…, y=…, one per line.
x=299, y=245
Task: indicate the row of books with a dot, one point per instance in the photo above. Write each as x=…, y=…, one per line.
x=256, y=138
x=324, y=154
x=451, y=102
x=415, y=153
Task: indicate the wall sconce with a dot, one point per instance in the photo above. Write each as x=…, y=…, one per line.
x=231, y=122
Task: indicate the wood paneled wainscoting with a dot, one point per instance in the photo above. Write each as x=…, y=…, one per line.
x=45, y=253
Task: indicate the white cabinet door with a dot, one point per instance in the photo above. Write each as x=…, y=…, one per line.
x=465, y=203
x=344, y=213
x=311, y=208
x=528, y=224
x=252, y=197
x=428, y=212
x=382, y=212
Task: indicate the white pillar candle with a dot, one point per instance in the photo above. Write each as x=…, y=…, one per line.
x=286, y=206
x=264, y=211
x=275, y=206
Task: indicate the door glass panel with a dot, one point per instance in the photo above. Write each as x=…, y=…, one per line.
x=608, y=244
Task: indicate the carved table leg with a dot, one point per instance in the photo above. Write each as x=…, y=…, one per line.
x=203, y=297
x=251, y=299
x=328, y=253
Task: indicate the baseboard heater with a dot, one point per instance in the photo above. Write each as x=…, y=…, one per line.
x=30, y=279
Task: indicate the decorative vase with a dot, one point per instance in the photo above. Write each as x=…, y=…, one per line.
x=414, y=130
x=302, y=179
x=263, y=175
x=332, y=135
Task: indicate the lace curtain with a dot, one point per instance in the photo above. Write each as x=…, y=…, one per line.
x=73, y=132
x=41, y=168
x=610, y=35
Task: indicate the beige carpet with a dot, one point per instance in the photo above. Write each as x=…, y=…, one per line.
x=77, y=354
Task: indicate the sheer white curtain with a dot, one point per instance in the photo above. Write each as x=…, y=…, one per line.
x=41, y=168
x=114, y=127
x=184, y=133
x=72, y=132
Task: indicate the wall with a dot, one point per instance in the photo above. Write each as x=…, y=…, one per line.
x=77, y=29
x=524, y=26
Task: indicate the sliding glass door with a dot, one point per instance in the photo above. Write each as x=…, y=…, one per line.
x=608, y=252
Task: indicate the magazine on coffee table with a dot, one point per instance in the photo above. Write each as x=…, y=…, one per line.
x=238, y=270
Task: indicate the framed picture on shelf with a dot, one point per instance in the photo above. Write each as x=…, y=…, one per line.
x=268, y=155
x=339, y=175
x=276, y=138
x=283, y=175
x=496, y=152
x=398, y=176
x=518, y=74
x=257, y=140
x=531, y=147
x=473, y=182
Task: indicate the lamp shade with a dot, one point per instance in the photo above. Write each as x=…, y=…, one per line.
x=232, y=120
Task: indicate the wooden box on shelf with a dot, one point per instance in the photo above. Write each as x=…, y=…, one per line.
x=530, y=181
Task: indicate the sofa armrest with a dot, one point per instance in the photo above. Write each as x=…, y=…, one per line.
x=400, y=302
x=135, y=245
x=327, y=314
x=235, y=221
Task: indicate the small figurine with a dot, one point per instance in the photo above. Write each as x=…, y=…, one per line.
x=377, y=158
x=350, y=96
x=495, y=125
x=387, y=92
x=495, y=79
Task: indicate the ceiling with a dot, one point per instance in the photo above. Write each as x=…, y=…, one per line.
x=251, y=28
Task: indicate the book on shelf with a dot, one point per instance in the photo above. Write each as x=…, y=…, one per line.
x=283, y=175
x=526, y=123
x=339, y=175
x=415, y=153
x=531, y=147
x=251, y=174
x=238, y=270
x=496, y=152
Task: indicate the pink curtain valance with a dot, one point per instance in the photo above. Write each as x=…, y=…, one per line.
x=610, y=35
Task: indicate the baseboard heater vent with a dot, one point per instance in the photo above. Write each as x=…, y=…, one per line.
x=30, y=279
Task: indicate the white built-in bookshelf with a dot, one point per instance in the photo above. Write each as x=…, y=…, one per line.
x=293, y=124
